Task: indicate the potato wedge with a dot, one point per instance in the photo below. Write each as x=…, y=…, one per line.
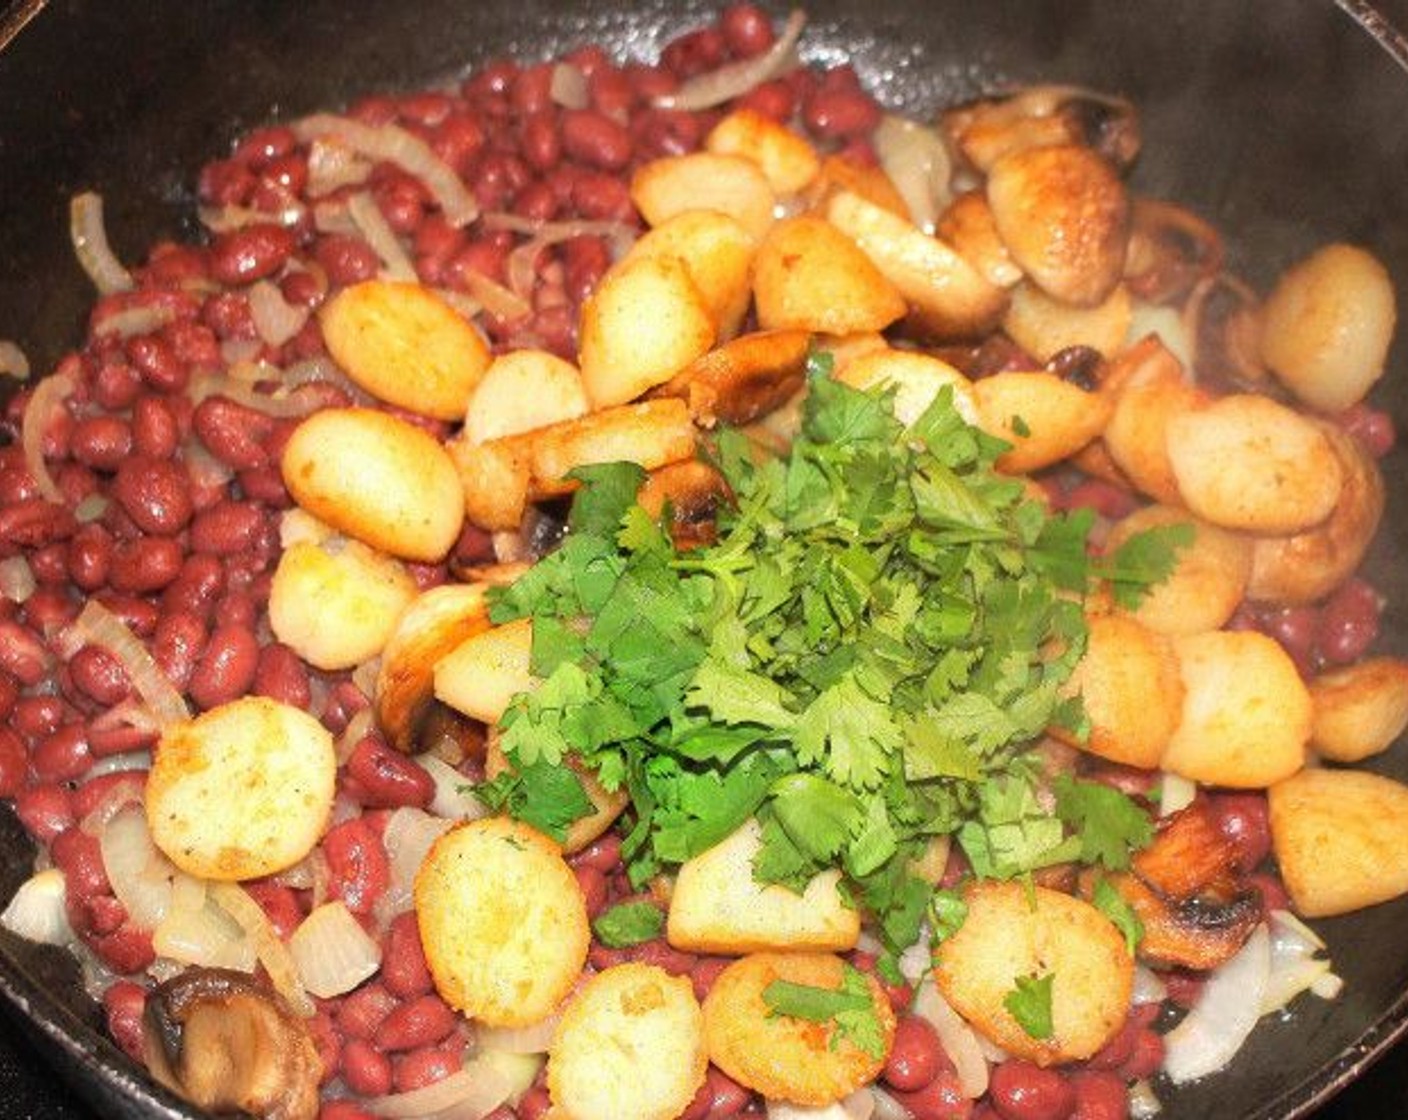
x=916, y=379
x=1209, y=579
x=336, y=608
x=241, y=791
x=841, y=173
x=946, y=296
x=630, y=1046
x=494, y=477
x=1338, y=837
x=405, y=345
x=1044, y=417
x=967, y=225
x=705, y=181
x=644, y=323
x=717, y=252
x=1149, y=392
x=779, y=1056
x=1013, y=931
x=718, y=907
x=787, y=159
x=607, y=806
x=742, y=379
x=1044, y=326
x=810, y=276
x=1359, y=710
x=1129, y=683
x=1246, y=462
x=377, y=478
x=651, y=433
x=1246, y=711
x=503, y=921
x=523, y=390
x=488, y=669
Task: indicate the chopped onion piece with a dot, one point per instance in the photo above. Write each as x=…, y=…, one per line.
x=886, y=1107
x=98, y=626
x=1295, y=968
x=1328, y=986
x=1169, y=324
x=917, y=162
x=1148, y=988
x=140, y=875
x=121, y=763
x=408, y=836
x=916, y=961
x=204, y=935
x=37, y=912
x=91, y=508
x=90, y=244
x=275, y=319
x=1143, y=1102
x=115, y=799
x=736, y=78
x=332, y=952
x=332, y=165
x=395, y=145
x=1287, y=920
x=48, y=396
x=13, y=362
x=1212, y=1033
x=569, y=87
x=858, y=1106
x=367, y=216
x=532, y=1039
x=17, y=582
x=960, y=1041
x=453, y=797
x=273, y=954
x=467, y=306
x=1175, y=792
x=485, y=1082
x=324, y=371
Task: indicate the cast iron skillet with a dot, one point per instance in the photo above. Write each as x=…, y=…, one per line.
x=1283, y=122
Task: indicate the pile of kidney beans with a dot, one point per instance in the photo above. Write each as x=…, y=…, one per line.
x=183, y=554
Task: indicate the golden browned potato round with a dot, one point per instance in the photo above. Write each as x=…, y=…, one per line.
x=1359, y=710
x=1043, y=416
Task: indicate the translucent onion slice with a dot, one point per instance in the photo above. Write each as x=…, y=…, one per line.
x=408, y=836
x=960, y=1041
x=209, y=384
x=205, y=936
x=453, y=798
x=90, y=244
x=275, y=319
x=500, y=302
x=332, y=165
x=372, y=224
x=48, y=396
x=13, y=362
x=96, y=625
x=569, y=87
x=37, y=911
x=737, y=78
x=1143, y=1101
x=273, y=954
x=486, y=1081
x=532, y=1039
x=140, y=875
x=1148, y=988
x=886, y=1107
x=118, y=797
x=1175, y=792
x=405, y=149
x=17, y=582
x=859, y=1105
x=222, y=219
x=917, y=162
x=332, y=952
x=1212, y=1033
x=131, y=321
x=1295, y=964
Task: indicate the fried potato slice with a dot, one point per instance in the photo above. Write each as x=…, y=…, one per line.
x=377, y=478
x=644, y=323
x=1338, y=837
x=1013, y=931
x=916, y=379
x=742, y=379
x=967, y=225
x=718, y=907
x=789, y=160
x=630, y=1046
x=1247, y=462
x=1044, y=326
x=242, y=790
x=841, y=173
x=503, y=921
x=730, y=184
x=1149, y=391
x=494, y=476
x=1209, y=578
x=810, y=276
x=607, y=805
x=1129, y=683
x=717, y=252
x=946, y=296
x=523, y=390
x=1359, y=710
x=779, y=1056
x=405, y=345
x=1044, y=417
x=1246, y=711
x=486, y=670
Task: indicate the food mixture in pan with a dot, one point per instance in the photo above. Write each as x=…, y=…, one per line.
x=611, y=590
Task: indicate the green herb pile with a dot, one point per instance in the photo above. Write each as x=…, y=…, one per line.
x=861, y=660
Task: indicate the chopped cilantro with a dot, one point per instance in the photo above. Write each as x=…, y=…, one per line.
x=851, y=1008
x=1111, y=903
x=1030, y=1004
x=548, y=797
x=947, y=913
x=1109, y=824
x=629, y=923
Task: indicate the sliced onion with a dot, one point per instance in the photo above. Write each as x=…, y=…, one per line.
x=858, y=1106
x=886, y=1107
x=273, y=954
x=1175, y=792
x=17, y=582
x=569, y=87
x=917, y=162
x=532, y=1039
x=467, y=306
x=132, y=321
x=486, y=1081
x=90, y=244
x=48, y=396
x=1212, y=1033
x=332, y=952
x=372, y=224
x=204, y=935
x=1143, y=1101
x=1295, y=964
x=395, y=145
x=37, y=912
x=332, y=165
x=736, y=78
x=362, y=723
x=960, y=1041
x=621, y=235
x=453, y=797
x=140, y=875
x=1148, y=988
x=1328, y=986
x=118, y=797
x=209, y=384
x=275, y=319
x=222, y=219
x=324, y=371
x=407, y=838
x=121, y=763
x=13, y=362
x=98, y=626
x=498, y=301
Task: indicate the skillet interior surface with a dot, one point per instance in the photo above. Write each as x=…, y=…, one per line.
x=1282, y=123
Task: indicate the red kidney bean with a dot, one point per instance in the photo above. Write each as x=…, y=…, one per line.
x=89, y=558
x=940, y=1099
x=49, y=565
x=1294, y=628
x=173, y=265
x=282, y=676
x=837, y=114
x=252, y=252
x=280, y=906
x=155, y=493
x=261, y=146
x=116, y=385
x=346, y=259
x=899, y=994
x=1243, y=819
x=125, y=950
x=1147, y=1058
x=1120, y=1047
x=695, y=52
x=402, y=201
x=138, y=615
x=49, y=609
x=584, y=262
x=419, y=1022
x=101, y=442
x=651, y=82
x=37, y=716
x=611, y=92
x=664, y=955
x=226, y=667
x=600, y=957
x=365, y=1069
x=1272, y=891
x=540, y=142
x=99, y=675
x=9, y=693
x=457, y=140
x=420, y=1068
x=228, y=315
x=498, y=176
x=44, y=810
x=225, y=182
x=80, y=857
x=362, y=1011
x=593, y=886
x=595, y=139
x=536, y=202
x=64, y=755
x=23, y=654
x=718, y=1096
x=17, y=485
x=197, y=587
x=916, y=1056
x=106, y=787
x=665, y=132
x=1099, y=1096
x=156, y=433
x=357, y=865
x=747, y=29
x=1020, y=1090
x=157, y=364
x=124, y=1004
x=326, y=1041
x=226, y=527
x=404, y=970
x=706, y=971
x=1349, y=622
x=146, y=564
x=194, y=343
x=35, y=522
x=14, y=763
x=387, y=779
x=1372, y=427
x=531, y=89
x=342, y=1109
x=603, y=853
x=775, y=100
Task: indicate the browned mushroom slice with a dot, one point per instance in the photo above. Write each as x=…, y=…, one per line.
x=228, y=1044
x=693, y=490
x=1064, y=215
x=1223, y=318
x=1041, y=116
x=1170, y=250
x=742, y=379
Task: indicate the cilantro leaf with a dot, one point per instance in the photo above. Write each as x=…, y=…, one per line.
x=1111, y=903
x=1145, y=559
x=1030, y=1004
x=947, y=913
x=548, y=797
x=629, y=923
x=1110, y=825
x=849, y=1008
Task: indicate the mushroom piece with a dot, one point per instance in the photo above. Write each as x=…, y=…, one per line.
x=1222, y=317
x=692, y=491
x=985, y=131
x=1170, y=250
x=231, y=1046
